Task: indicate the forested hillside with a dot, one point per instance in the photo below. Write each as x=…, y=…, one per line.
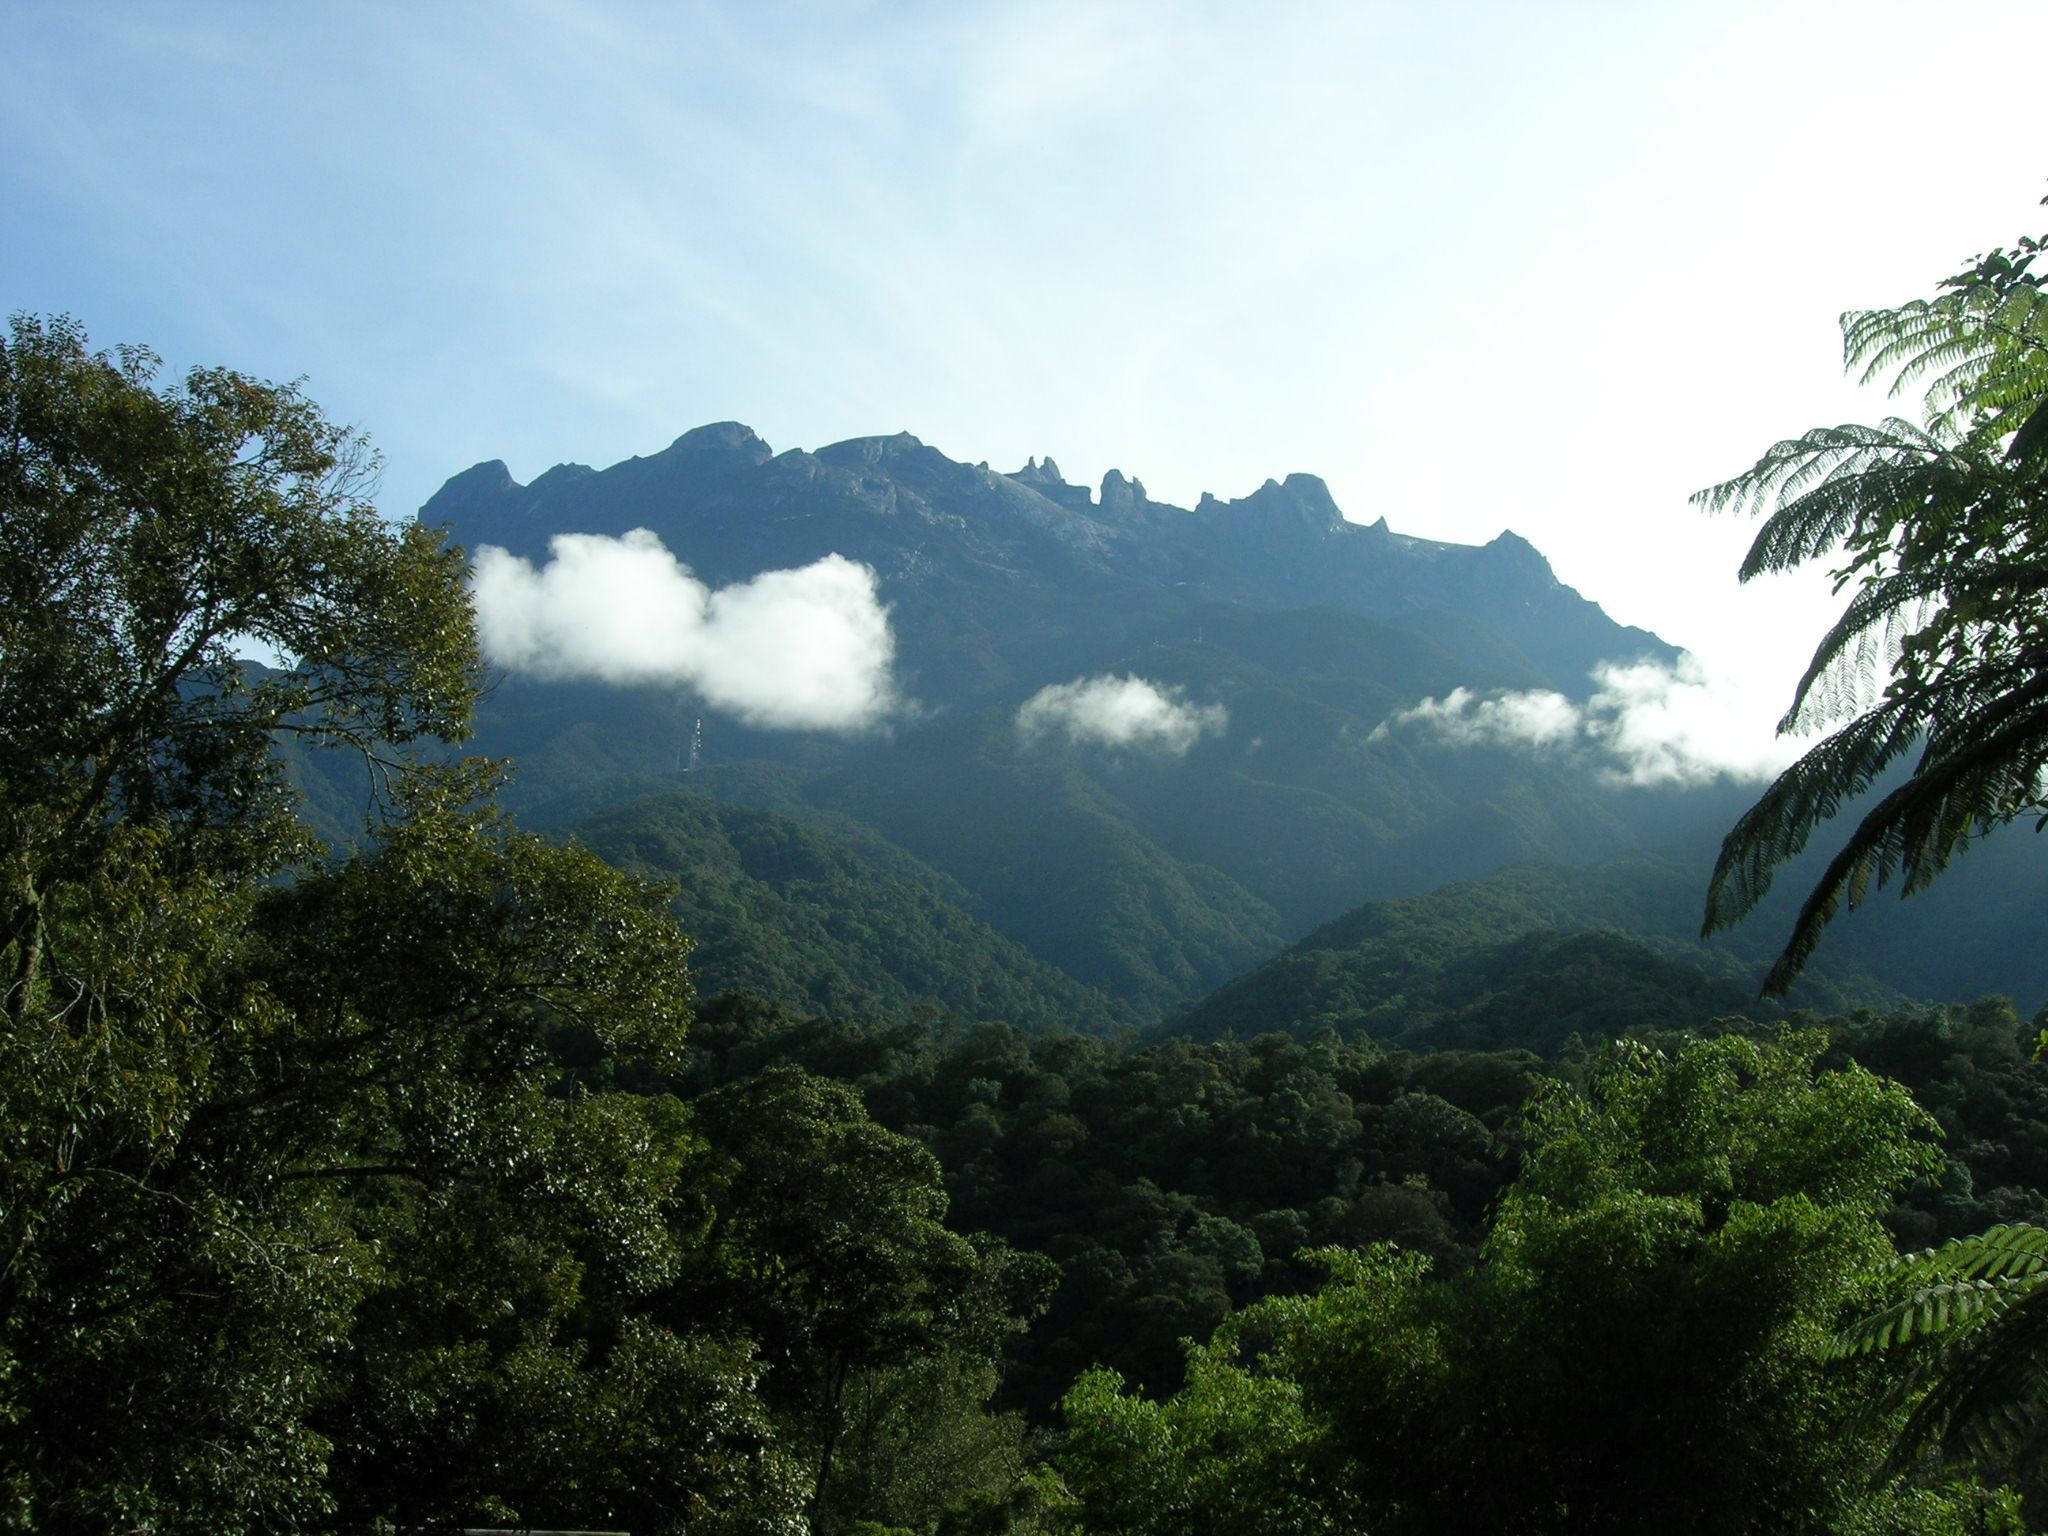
x=1180, y=1181
x=848, y=926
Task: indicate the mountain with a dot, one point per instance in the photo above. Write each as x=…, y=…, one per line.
x=993, y=578
x=1149, y=878
x=1522, y=958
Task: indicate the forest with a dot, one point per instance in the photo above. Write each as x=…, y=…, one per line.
x=412, y=1183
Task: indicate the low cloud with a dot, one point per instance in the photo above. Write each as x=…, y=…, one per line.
x=1463, y=718
x=1645, y=724
x=804, y=649
x=1120, y=712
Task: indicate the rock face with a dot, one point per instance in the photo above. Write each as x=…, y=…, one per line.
x=1046, y=479
x=1121, y=498
x=977, y=562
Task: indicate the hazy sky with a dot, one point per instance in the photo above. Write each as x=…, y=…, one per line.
x=1531, y=265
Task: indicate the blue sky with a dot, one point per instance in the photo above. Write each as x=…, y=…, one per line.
x=1534, y=265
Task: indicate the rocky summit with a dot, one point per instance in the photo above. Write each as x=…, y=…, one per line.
x=968, y=557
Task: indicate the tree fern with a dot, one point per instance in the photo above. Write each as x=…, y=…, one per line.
x=1979, y=350
x=1974, y=1315
x=1939, y=531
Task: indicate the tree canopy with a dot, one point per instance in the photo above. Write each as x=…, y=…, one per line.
x=1643, y=1346
x=1939, y=533
x=147, y=536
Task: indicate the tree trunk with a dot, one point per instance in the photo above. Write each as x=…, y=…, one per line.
x=835, y=1390
x=25, y=934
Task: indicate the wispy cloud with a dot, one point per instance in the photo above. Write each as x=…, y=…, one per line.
x=1645, y=724
x=804, y=649
x=1126, y=712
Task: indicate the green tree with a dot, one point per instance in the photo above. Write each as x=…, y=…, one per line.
x=1233, y=1450
x=145, y=533
x=301, y=1222
x=829, y=1243
x=1972, y=1320
x=1939, y=531
x=1644, y=1347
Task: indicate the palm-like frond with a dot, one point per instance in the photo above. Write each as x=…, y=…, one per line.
x=1824, y=484
x=1862, y=649
x=1941, y=529
x=1979, y=1389
x=1977, y=352
x=1976, y=1316
x=1953, y=1284
x=1811, y=791
x=1929, y=1311
x=2016, y=1251
x=1963, y=785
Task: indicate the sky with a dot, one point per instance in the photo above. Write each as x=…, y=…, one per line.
x=1529, y=265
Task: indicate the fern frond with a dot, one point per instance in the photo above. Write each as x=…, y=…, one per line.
x=1858, y=654
x=1978, y=352
x=1918, y=338
x=1940, y=533
x=1824, y=457
x=1916, y=828
x=1974, y=1322
x=1835, y=482
x=1998, y=1433
x=1980, y=1394
x=1933, y=1309
x=1812, y=790
x=2003, y=1252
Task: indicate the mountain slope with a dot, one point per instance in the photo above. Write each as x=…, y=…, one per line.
x=1530, y=953
x=845, y=925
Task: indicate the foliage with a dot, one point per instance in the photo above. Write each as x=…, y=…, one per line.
x=1171, y=1184
x=1229, y=1452
x=1971, y=1318
x=1177, y=1184
x=1651, y=1320
x=301, y=1222
x=384, y=1193
x=1973, y=1069
x=827, y=1244
x=145, y=533
x=366, y=1257
x=162, y=1304
x=1936, y=527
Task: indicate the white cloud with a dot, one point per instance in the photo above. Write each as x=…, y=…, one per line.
x=1646, y=723
x=804, y=649
x=1684, y=725
x=1120, y=712
x=1535, y=719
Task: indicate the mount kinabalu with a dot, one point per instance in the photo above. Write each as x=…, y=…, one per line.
x=1150, y=877
x=966, y=555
